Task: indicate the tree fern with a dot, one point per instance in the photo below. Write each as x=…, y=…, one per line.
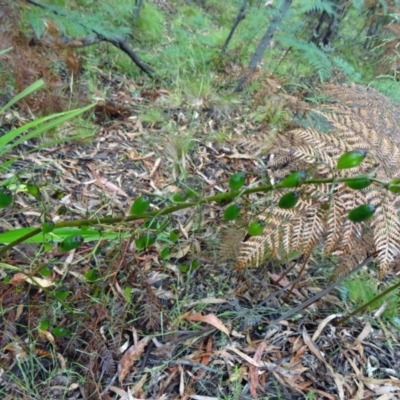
x=317, y=6
x=359, y=118
x=106, y=20
x=310, y=53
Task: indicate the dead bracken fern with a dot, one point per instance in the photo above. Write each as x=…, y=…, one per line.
x=358, y=118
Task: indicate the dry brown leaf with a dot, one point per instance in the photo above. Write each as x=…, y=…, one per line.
x=46, y=335
x=209, y=319
x=253, y=371
x=130, y=356
x=315, y=350
x=20, y=277
x=322, y=325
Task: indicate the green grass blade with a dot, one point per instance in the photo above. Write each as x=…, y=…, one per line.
x=26, y=92
x=59, y=234
x=58, y=119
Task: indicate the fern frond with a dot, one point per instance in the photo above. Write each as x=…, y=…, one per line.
x=359, y=118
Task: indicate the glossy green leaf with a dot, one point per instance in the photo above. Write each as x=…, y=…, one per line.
x=289, y=200
x=362, y=213
x=191, y=193
x=151, y=223
x=358, y=184
x=48, y=227
x=232, y=212
x=237, y=180
x=178, y=198
x=165, y=253
x=61, y=331
x=92, y=275
x=184, y=268
x=256, y=228
x=71, y=243
x=44, y=325
x=174, y=235
x=351, y=159
x=6, y=197
x=33, y=189
x=140, y=205
x=394, y=186
x=46, y=270
x=61, y=293
x=292, y=180
x=145, y=241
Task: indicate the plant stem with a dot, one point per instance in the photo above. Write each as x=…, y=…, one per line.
x=220, y=197
x=366, y=305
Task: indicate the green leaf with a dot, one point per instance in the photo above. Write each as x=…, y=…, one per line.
x=61, y=331
x=231, y=213
x=140, y=205
x=351, y=159
x=92, y=275
x=61, y=293
x=48, y=227
x=358, y=184
x=178, y=198
x=44, y=325
x=289, y=200
x=33, y=189
x=46, y=271
x=256, y=228
x=237, y=180
x=71, y=243
x=165, y=253
x=394, y=186
x=60, y=234
x=174, y=235
x=362, y=213
x=292, y=180
x=145, y=241
x=191, y=193
x=184, y=268
x=6, y=197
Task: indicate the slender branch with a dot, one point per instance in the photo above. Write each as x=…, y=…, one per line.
x=138, y=7
x=366, y=305
x=217, y=198
x=264, y=43
x=304, y=305
x=116, y=40
x=241, y=16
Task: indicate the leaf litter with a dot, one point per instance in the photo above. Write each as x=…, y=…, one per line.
x=201, y=333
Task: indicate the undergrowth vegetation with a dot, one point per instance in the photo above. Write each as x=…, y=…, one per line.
x=136, y=179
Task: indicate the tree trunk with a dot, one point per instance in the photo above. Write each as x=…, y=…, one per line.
x=241, y=15
x=264, y=43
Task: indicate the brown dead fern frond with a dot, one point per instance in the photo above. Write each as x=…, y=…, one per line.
x=359, y=118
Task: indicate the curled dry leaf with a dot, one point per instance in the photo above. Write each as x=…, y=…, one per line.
x=209, y=319
x=130, y=356
x=20, y=278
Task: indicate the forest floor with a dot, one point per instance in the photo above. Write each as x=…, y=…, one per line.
x=184, y=326
x=174, y=320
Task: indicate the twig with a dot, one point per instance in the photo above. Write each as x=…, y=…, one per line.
x=241, y=15
x=304, y=305
x=138, y=7
x=264, y=43
x=116, y=40
x=195, y=365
